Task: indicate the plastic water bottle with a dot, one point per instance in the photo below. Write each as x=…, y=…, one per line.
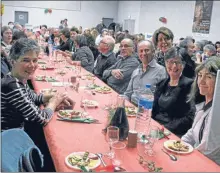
x=143, y=118
x=145, y=104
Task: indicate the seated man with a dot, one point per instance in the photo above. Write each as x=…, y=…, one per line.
x=119, y=75
x=106, y=57
x=149, y=72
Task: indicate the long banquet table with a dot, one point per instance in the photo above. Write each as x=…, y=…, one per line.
x=64, y=138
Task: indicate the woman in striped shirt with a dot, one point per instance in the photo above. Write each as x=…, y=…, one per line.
x=18, y=101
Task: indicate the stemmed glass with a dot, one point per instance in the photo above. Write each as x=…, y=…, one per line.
x=152, y=137
x=112, y=136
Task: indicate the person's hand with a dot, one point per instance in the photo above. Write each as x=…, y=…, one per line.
x=3, y=52
x=47, y=97
x=56, y=100
x=117, y=74
x=68, y=103
x=68, y=53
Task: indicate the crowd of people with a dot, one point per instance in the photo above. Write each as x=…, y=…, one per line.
x=182, y=75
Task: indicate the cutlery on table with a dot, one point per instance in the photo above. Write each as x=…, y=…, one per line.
x=100, y=156
x=172, y=157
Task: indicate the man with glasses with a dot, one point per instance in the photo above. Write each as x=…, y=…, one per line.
x=119, y=75
x=106, y=57
x=149, y=72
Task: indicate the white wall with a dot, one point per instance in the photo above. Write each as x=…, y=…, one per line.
x=89, y=15
x=129, y=10
x=178, y=13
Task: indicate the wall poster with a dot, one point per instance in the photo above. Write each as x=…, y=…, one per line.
x=202, y=17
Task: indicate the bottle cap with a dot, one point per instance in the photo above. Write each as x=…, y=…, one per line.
x=148, y=85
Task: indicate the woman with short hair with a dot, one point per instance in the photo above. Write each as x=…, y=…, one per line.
x=200, y=135
x=163, y=40
x=170, y=107
x=19, y=102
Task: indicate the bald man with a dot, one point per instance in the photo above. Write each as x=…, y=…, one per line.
x=106, y=57
x=119, y=75
x=148, y=72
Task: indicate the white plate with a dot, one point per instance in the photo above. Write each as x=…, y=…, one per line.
x=48, y=91
x=81, y=154
x=68, y=111
x=95, y=103
x=169, y=142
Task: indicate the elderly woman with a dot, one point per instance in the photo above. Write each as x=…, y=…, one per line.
x=19, y=102
x=6, y=42
x=208, y=51
x=82, y=54
x=187, y=52
x=170, y=107
x=201, y=135
x=163, y=40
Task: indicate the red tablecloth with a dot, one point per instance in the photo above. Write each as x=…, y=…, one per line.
x=64, y=138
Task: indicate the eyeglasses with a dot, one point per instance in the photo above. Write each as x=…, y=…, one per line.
x=178, y=63
x=103, y=42
x=125, y=46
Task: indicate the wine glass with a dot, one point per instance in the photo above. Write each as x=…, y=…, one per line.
x=152, y=137
x=112, y=136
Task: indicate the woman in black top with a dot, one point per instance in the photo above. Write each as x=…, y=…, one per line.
x=170, y=107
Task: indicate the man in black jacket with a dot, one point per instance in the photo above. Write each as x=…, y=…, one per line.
x=66, y=41
x=106, y=57
x=187, y=51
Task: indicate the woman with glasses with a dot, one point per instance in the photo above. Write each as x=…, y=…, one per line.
x=163, y=40
x=202, y=136
x=170, y=107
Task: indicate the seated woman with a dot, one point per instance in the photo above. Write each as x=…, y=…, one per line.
x=170, y=107
x=82, y=54
x=19, y=102
x=200, y=136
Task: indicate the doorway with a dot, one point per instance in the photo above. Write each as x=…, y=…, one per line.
x=107, y=21
x=21, y=17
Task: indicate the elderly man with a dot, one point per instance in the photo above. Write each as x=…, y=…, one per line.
x=149, y=72
x=208, y=51
x=106, y=57
x=119, y=75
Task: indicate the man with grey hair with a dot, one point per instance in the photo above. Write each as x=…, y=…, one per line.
x=119, y=75
x=106, y=57
x=208, y=51
x=149, y=72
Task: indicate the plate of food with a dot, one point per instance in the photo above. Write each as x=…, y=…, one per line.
x=77, y=160
x=178, y=146
x=88, y=77
x=41, y=62
x=69, y=114
x=103, y=90
x=48, y=91
x=90, y=103
x=131, y=110
x=45, y=67
x=40, y=78
x=61, y=72
x=92, y=86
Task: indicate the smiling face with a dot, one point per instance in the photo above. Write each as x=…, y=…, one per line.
x=26, y=65
x=174, y=67
x=126, y=48
x=145, y=52
x=191, y=49
x=164, y=43
x=206, y=83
